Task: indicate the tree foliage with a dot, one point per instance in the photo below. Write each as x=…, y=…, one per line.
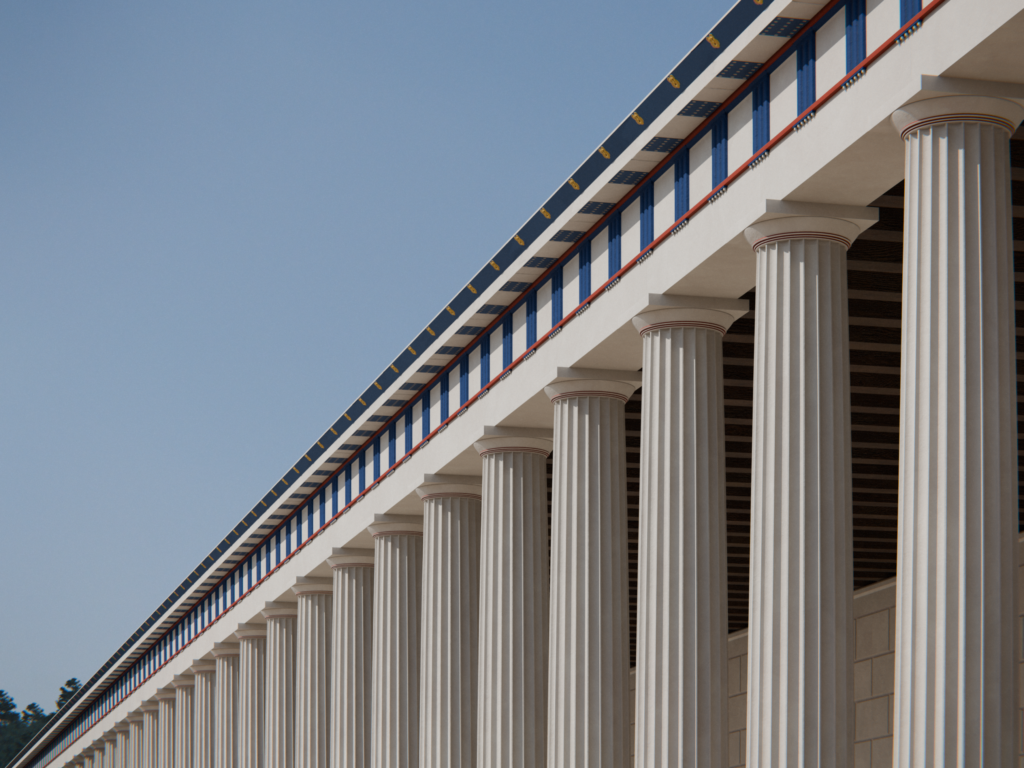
x=17, y=729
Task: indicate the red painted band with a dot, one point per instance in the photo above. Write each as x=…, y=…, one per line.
x=682, y=324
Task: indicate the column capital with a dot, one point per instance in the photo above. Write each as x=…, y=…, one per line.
x=109, y=736
x=450, y=486
x=350, y=557
x=137, y=716
x=958, y=109
x=396, y=525
x=164, y=694
x=280, y=610
x=512, y=444
x=247, y=631
x=711, y=313
x=184, y=681
x=149, y=706
x=225, y=649
x=121, y=727
x=305, y=585
x=203, y=666
x=842, y=231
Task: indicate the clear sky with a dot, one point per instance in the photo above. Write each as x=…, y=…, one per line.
x=218, y=222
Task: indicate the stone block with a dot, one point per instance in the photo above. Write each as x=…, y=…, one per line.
x=872, y=718
x=883, y=674
x=738, y=712
x=862, y=680
x=881, y=753
x=735, y=672
x=736, y=756
x=862, y=754
x=872, y=635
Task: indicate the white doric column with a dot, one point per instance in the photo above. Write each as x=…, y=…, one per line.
x=135, y=739
x=225, y=707
x=252, y=694
x=450, y=630
x=184, y=720
x=121, y=744
x=398, y=548
x=280, y=690
x=682, y=607
x=351, y=657
x=97, y=751
x=513, y=657
x=109, y=749
x=956, y=671
x=150, y=734
x=312, y=671
x=203, y=718
x=800, y=663
x=165, y=731
x=87, y=758
x=588, y=677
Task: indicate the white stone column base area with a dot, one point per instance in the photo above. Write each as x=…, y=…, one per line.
x=351, y=657
x=395, y=701
x=252, y=694
x=313, y=671
x=150, y=734
x=279, y=733
x=682, y=608
x=203, y=717
x=958, y=508
x=225, y=707
x=109, y=750
x=184, y=719
x=801, y=548
x=165, y=728
x=121, y=745
x=588, y=657
x=450, y=628
x=135, y=739
x=513, y=669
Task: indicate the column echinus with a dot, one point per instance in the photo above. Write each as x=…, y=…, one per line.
x=165, y=697
x=184, y=720
x=450, y=626
x=279, y=733
x=588, y=657
x=203, y=713
x=225, y=706
x=252, y=692
x=957, y=543
x=135, y=739
x=150, y=734
x=800, y=663
x=682, y=610
x=312, y=671
x=351, y=657
x=397, y=586
x=513, y=657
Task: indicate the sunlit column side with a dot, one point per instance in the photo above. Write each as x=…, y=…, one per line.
x=588, y=657
x=204, y=713
x=513, y=667
x=165, y=731
x=682, y=610
x=135, y=739
x=398, y=555
x=351, y=657
x=121, y=744
x=109, y=749
x=252, y=694
x=450, y=627
x=312, y=671
x=150, y=734
x=88, y=757
x=280, y=685
x=225, y=707
x=800, y=663
x=956, y=678
x=184, y=720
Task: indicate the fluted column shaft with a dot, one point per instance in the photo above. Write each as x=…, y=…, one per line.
x=398, y=555
x=184, y=720
x=252, y=665
x=121, y=745
x=512, y=662
x=150, y=735
x=110, y=751
x=135, y=741
x=588, y=673
x=313, y=672
x=204, y=714
x=165, y=731
x=956, y=671
x=450, y=630
x=682, y=611
x=225, y=708
x=87, y=759
x=280, y=681
x=800, y=664
x=351, y=658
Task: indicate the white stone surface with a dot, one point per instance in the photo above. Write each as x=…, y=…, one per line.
x=588, y=656
x=225, y=708
x=165, y=734
x=682, y=621
x=121, y=745
x=184, y=720
x=150, y=734
x=800, y=662
x=956, y=572
x=450, y=628
x=204, y=723
x=252, y=696
x=313, y=671
x=514, y=599
x=351, y=658
x=279, y=734
x=135, y=740
x=398, y=567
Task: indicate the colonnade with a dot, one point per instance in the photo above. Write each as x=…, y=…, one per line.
x=455, y=641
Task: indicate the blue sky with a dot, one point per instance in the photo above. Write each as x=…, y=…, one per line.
x=218, y=221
